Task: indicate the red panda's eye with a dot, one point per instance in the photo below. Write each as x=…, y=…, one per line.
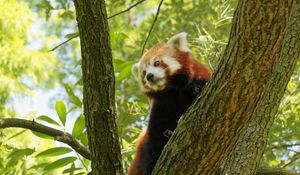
x=156, y=63
x=144, y=72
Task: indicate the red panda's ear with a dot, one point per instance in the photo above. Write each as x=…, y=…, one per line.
x=180, y=41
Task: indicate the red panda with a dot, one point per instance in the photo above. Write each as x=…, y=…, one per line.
x=172, y=78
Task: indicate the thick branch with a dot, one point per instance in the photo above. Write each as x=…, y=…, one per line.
x=209, y=130
x=250, y=147
x=56, y=134
x=99, y=87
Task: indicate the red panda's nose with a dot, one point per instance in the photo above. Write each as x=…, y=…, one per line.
x=150, y=77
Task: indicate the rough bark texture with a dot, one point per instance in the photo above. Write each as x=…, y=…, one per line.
x=98, y=90
x=249, y=149
x=212, y=126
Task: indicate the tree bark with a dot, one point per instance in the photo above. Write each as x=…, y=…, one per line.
x=249, y=149
x=209, y=130
x=99, y=87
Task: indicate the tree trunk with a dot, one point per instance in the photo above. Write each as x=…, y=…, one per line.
x=209, y=130
x=249, y=149
x=99, y=87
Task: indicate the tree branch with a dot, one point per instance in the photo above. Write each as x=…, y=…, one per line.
x=123, y=11
x=126, y=10
x=283, y=146
x=293, y=159
x=64, y=42
x=56, y=134
x=152, y=26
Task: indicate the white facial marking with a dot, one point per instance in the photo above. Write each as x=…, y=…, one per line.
x=159, y=72
x=172, y=63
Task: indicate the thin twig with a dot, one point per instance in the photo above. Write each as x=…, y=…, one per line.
x=284, y=146
x=56, y=134
x=152, y=26
x=62, y=43
x=123, y=11
x=293, y=159
x=126, y=10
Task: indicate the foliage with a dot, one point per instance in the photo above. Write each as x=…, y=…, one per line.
x=208, y=24
x=284, y=142
x=25, y=64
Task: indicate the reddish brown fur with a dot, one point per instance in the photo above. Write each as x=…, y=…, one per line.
x=135, y=169
x=189, y=64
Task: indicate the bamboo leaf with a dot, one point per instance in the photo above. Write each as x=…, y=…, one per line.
x=47, y=119
x=54, y=152
x=60, y=163
x=61, y=111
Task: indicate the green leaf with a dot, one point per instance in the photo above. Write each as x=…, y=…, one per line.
x=41, y=165
x=16, y=155
x=60, y=163
x=71, y=170
x=15, y=135
x=43, y=136
x=84, y=138
x=54, y=152
x=21, y=152
x=76, y=101
x=81, y=173
x=126, y=72
x=61, y=111
x=68, y=89
x=47, y=119
x=79, y=82
x=79, y=126
x=86, y=162
x=72, y=97
x=72, y=35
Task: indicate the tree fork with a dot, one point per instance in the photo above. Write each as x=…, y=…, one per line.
x=99, y=87
x=223, y=111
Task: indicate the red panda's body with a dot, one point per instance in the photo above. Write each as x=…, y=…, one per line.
x=173, y=79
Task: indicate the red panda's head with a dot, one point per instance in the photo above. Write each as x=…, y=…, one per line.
x=161, y=62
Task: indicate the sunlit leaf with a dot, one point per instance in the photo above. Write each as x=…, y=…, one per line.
x=47, y=119
x=15, y=135
x=84, y=139
x=54, y=152
x=81, y=173
x=79, y=126
x=60, y=163
x=16, y=155
x=41, y=165
x=72, y=35
x=61, y=111
x=71, y=170
x=72, y=97
x=44, y=136
x=75, y=100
